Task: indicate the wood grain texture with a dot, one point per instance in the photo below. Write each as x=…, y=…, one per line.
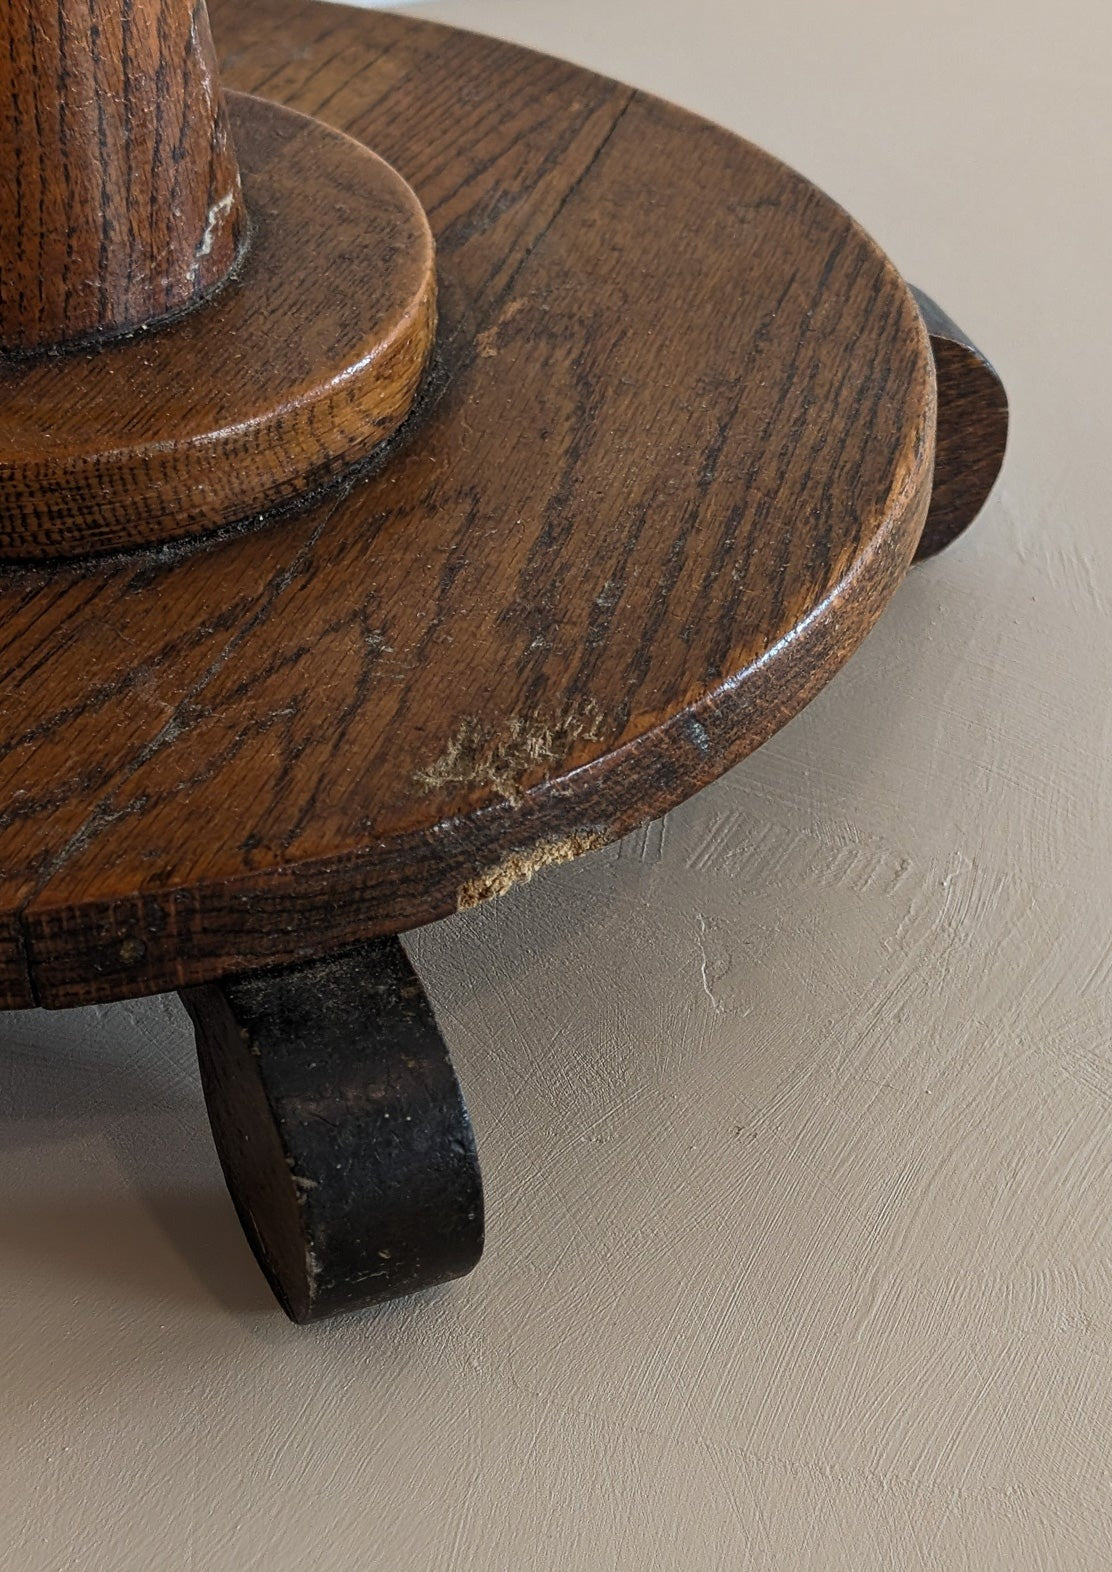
x=647, y=512
x=120, y=200
x=341, y=1128
x=971, y=434
x=299, y=368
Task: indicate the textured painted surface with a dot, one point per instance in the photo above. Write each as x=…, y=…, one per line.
x=794, y=1111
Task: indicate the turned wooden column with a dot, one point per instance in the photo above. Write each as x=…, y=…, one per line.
x=120, y=201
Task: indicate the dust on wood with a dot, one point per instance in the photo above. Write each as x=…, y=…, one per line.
x=479, y=755
x=518, y=867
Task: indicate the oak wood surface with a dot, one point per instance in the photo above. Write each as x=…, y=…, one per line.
x=675, y=456
x=120, y=199
x=299, y=367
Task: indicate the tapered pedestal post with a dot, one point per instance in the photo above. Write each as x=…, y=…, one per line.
x=120, y=200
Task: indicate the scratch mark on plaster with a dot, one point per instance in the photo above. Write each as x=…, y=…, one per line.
x=704, y=964
x=733, y=843
x=645, y=845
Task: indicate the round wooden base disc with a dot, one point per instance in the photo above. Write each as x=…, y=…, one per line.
x=303, y=363
x=675, y=457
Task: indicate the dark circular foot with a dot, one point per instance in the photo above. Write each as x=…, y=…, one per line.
x=971, y=433
x=301, y=365
x=341, y=1129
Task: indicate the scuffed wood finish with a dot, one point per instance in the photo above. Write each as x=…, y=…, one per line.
x=299, y=368
x=120, y=201
x=674, y=458
x=341, y=1128
x=971, y=433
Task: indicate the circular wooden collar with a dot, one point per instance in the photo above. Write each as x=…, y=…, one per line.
x=674, y=460
x=301, y=365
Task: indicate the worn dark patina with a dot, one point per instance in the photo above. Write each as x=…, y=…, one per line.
x=341, y=1129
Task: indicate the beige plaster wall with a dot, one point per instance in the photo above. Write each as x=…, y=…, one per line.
x=795, y=1110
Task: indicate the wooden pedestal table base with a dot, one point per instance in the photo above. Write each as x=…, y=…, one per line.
x=673, y=457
